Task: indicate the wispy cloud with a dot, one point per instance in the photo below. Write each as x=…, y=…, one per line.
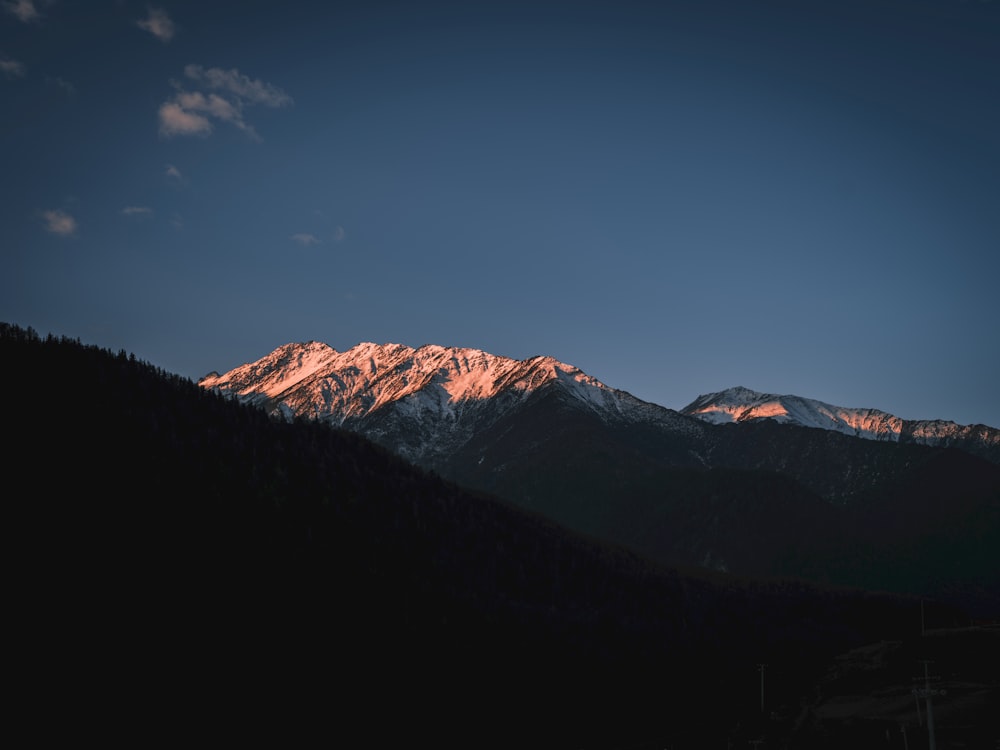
x=59, y=222
x=226, y=93
x=12, y=68
x=141, y=211
x=173, y=172
x=239, y=85
x=213, y=105
x=339, y=235
x=306, y=240
x=158, y=24
x=61, y=83
x=23, y=10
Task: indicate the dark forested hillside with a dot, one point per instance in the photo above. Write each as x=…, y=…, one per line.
x=179, y=560
x=757, y=499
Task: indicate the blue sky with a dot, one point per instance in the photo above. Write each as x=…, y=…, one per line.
x=677, y=197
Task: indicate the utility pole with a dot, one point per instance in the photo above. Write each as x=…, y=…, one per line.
x=927, y=692
x=761, y=667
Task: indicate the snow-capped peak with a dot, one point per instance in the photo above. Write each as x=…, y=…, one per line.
x=741, y=404
x=435, y=396
x=425, y=401
x=277, y=372
x=316, y=380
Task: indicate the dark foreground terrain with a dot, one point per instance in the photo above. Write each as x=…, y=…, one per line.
x=183, y=568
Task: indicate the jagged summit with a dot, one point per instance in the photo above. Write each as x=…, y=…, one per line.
x=376, y=374
x=435, y=397
x=275, y=372
x=430, y=399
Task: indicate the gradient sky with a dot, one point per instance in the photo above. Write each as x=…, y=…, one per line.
x=677, y=197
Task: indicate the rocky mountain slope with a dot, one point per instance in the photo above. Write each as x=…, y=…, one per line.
x=425, y=403
x=228, y=574
x=757, y=496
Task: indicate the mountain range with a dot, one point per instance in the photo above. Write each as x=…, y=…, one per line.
x=427, y=404
x=446, y=393
x=182, y=563
x=737, y=481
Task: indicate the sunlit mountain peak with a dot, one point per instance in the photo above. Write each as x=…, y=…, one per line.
x=740, y=404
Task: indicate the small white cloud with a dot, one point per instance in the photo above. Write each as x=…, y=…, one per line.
x=137, y=211
x=59, y=222
x=174, y=172
x=339, y=235
x=23, y=10
x=175, y=120
x=158, y=24
x=306, y=240
x=12, y=68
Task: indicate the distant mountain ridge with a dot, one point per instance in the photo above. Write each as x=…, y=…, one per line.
x=737, y=405
x=340, y=385
x=430, y=400
x=437, y=397
x=755, y=496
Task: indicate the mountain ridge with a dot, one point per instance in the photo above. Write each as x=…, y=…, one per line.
x=740, y=405
x=435, y=397
x=760, y=496
x=427, y=360
x=292, y=573
x=311, y=379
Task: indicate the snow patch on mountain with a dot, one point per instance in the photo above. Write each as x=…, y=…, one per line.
x=274, y=374
x=430, y=400
x=429, y=383
x=741, y=404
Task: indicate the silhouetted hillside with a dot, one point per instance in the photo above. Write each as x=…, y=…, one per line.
x=756, y=499
x=179, y=558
